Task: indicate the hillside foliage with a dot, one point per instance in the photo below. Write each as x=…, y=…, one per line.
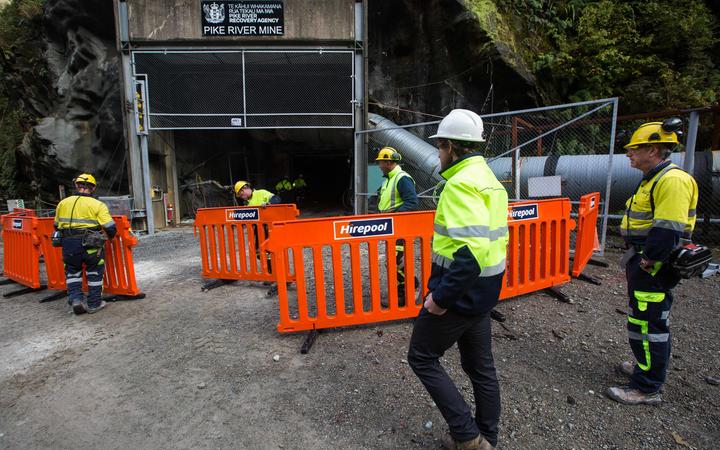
x=654, y=54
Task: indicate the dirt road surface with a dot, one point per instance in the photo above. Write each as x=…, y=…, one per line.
x=190, y=369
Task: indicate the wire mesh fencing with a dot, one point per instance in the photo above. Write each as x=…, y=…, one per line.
x=230, y=89
x=564, y=150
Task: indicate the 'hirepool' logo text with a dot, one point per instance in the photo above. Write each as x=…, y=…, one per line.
x=523, y=212
x=251, y=214
x=350, y=229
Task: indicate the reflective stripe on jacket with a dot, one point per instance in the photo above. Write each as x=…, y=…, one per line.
x=470, y=238
x=675, y=197
x=390, y=198
x=82, y=211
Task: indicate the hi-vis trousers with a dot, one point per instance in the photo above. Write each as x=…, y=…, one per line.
x=649, y=323
x=75, y=256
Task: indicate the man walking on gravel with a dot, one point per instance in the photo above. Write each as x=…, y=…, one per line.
x=468, y=263
x=658, y=217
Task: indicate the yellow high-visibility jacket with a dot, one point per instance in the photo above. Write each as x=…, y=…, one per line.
x=656, y=218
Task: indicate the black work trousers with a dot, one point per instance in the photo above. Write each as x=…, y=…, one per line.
x=432, y=336
x=648, y=325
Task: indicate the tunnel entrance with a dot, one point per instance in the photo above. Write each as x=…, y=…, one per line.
x=258, y=115
x=209, y=162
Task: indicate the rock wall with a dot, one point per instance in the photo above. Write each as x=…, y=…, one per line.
x=81, y=130
x=433, y=56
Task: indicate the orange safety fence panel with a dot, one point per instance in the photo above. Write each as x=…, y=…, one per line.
x=21, y=253
x=231, y=240
x=119, y=277
x=54, y=266
x=585, y=241
x=343, y=265
x=539, y=246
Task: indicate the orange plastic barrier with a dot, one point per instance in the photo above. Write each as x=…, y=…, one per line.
x=21, y=253
x=231, y=238
x=587, y=231
x=119, y=277
x=23, y=212
x=348, y=242
x=537, y=258
x=539, y=247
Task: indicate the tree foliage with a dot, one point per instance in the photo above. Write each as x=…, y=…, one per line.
x=655, y=54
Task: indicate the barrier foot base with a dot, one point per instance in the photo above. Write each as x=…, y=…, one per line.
x=558, y=295
x=589, y=279
x=497, y=315
x=53, y=297
x=121, y=298
x=214, y=284
x=23, y=291
x=597, y=262
x=6, y=281
x=309, y=341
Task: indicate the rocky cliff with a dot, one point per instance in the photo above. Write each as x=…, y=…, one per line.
x=430, y=57
x=67, y=80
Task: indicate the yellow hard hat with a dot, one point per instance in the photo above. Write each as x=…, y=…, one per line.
x=388, y=154
x=85, y=178
x=239, y=185
x=655, y=133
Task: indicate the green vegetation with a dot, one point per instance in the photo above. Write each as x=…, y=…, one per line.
x=655, y=54
x=21, y=65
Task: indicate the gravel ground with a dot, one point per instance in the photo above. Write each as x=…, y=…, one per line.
x=190, y=369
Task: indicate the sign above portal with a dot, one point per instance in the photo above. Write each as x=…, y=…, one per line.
x=242, y=18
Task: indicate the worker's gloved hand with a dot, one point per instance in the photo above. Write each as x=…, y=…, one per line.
x=264, y=205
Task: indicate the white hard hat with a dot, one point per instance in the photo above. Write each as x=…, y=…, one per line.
x=461, y=125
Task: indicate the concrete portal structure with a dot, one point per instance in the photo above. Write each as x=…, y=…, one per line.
x=281, y=84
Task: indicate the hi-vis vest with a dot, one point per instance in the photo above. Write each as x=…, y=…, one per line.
x=81, y=211
x=674, y=197
x=389, y=196
x=472, y=211
x=259, y=197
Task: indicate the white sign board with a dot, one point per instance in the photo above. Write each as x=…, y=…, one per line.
x=545, y=186
x=18, y=203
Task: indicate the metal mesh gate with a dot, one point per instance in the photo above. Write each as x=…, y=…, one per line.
x=247, y=88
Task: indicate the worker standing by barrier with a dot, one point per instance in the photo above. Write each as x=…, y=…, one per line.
x=79, y=221
x=299, y=186
x=658, y=216
x=284, y=188
x=397, y=194
x=248, y=196
x=469, y=246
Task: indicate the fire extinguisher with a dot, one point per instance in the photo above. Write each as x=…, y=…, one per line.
x=170, y=212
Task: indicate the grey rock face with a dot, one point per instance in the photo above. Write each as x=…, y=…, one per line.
x=82, y=130
x=434, y=56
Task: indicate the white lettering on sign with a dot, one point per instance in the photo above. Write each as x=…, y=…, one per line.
x=214, y=29
x=242, y=18
x=250, y=214
x=523, y=212
x=236, y=121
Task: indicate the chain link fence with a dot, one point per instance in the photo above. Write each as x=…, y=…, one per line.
x=705, y=168
x=231, y=89
x=553, y=151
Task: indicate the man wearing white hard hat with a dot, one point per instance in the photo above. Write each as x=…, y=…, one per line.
x=468, y=263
